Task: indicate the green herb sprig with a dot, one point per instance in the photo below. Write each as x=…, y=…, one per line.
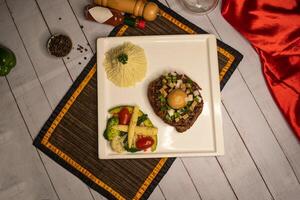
x=123, y=58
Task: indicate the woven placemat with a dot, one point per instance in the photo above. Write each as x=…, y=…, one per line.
x=70, y=135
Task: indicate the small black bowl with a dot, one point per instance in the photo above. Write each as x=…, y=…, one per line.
x=59, y=45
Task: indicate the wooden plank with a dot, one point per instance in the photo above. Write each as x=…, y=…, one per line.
x=22, y=174
x=259, y=140
x=206, y=175
x=35, y=108
x=51, y=71
x=177, y=184
x=156, y=195
x=238, y=165
x=255, y=81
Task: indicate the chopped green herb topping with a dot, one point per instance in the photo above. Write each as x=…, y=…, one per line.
x=162, y=99
x=176, y=115
x=168, y=117
x=141, y=119
x=123, y=58
x=164, y=108
x=174, y=79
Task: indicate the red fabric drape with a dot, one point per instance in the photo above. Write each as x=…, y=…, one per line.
x=273, y=28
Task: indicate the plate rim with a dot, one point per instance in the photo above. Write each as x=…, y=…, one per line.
x=214, y=92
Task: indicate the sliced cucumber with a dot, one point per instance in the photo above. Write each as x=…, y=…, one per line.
x=117, y=109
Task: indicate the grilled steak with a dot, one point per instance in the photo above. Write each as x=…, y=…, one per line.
x=159, y=90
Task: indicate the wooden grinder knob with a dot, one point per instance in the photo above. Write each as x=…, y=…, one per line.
x=147, y=10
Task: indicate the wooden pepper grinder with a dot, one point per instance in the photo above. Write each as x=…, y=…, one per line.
x=148, y=10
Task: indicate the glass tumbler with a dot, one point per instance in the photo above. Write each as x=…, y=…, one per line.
x=200, y=6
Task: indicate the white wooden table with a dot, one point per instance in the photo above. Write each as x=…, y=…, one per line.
x=262, y=158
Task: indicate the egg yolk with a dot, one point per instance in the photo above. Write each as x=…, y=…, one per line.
x=176, y=99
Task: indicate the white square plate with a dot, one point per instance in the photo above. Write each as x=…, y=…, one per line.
x=193, y=55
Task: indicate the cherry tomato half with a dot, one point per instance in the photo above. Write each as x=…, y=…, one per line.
x=124, y=116
x=144, y=143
